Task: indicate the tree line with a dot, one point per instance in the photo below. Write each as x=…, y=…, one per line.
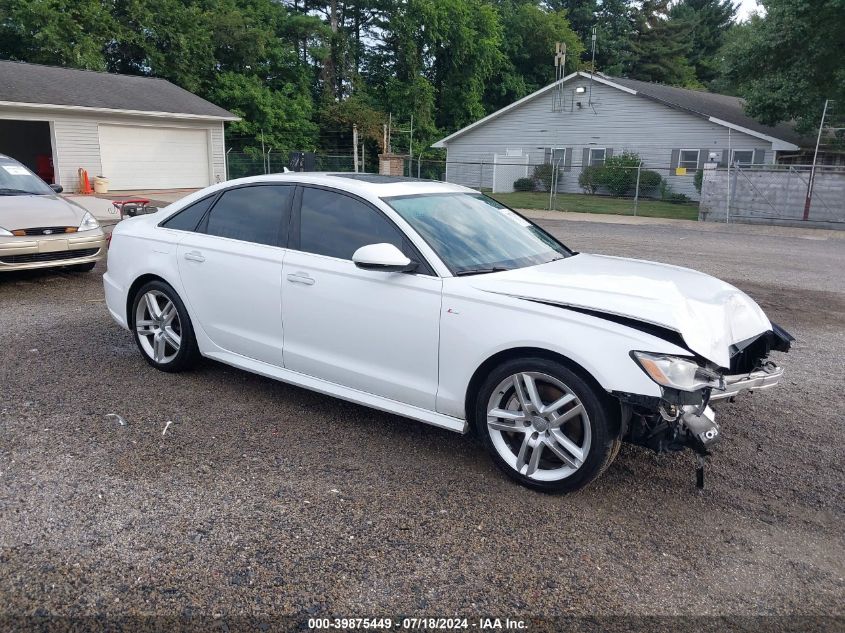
x=301, y=72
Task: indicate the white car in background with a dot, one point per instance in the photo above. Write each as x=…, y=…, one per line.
x=434, y=302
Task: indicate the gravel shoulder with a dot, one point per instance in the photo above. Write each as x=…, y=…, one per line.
x=267, y=500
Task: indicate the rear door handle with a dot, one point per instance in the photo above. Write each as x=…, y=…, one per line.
x=302, y=278
x=194, y=256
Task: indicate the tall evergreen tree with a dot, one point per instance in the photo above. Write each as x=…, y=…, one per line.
x=708, y=22
x=659, y=47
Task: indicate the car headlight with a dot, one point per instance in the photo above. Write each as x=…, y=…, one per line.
x=676, y=372
x=88, y=223
x=5, y=233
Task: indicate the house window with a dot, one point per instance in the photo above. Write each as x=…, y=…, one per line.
x=743, y=157
x=597, y=155
x=558, y=155
x=688, y=158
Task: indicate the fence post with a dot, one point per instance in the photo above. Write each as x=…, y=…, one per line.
x=637, y=190
x=268, y=160
x=226, y=163
x=481, y=176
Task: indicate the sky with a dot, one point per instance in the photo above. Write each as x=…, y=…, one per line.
x=746, y=8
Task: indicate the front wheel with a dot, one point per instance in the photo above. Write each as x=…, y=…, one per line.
x=545, y=425
x=162, y=328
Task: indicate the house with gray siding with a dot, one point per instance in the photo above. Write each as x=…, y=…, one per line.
x=139, y=132
x=583, y=119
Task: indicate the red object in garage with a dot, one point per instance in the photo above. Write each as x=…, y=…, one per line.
x=44, y=168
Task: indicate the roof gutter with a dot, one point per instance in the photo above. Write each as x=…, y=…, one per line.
x=147, y=113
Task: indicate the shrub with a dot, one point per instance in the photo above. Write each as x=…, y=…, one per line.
x=679, y=198
x=590, y=178
x=649, y=179
x=523, y=184
x=620, y=173
x=543, y=176
x=699, y=179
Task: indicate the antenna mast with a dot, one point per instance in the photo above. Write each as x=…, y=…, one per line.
x=560, y=62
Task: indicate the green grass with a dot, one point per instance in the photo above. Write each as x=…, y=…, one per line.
x=582, y=203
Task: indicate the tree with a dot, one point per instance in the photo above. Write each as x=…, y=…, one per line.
x=58, y=32
x=788, y=62
x=528, y=44
x=660, y=47
x=707, y=23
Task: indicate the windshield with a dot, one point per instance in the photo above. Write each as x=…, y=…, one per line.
x=474, y=234
x=17, y=180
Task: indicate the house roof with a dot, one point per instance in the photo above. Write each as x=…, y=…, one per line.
x=717, y=108
x=34, y=85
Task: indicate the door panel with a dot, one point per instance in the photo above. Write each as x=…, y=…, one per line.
x=369, y=330
x=231, y=269
x=373, y=331
x=234, y=291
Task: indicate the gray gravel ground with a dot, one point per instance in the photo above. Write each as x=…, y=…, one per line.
x=267, y=500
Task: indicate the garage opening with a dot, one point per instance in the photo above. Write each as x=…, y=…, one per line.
x=29, y=142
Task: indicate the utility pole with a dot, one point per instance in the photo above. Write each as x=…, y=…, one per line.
x=355, y=145
x=592, y=68
x=809, y=201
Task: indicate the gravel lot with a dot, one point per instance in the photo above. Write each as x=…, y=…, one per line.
x=265, y=500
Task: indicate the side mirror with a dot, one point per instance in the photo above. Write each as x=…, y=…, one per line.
x=383, y=257
x=57, y=188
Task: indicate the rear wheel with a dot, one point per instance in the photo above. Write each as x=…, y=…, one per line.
x=162, y=328
x=545, y=425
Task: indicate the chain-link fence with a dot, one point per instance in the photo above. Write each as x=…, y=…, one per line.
x=563, y=186
x=776, y=194
x=242, y=164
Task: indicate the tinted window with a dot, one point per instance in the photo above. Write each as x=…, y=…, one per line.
x=251, y=214
x=188, y=218
x=336, y=225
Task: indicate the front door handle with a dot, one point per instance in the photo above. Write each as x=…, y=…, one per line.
x=194, y=256
x=301, y=278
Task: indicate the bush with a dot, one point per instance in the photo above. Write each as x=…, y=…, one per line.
x=543, y=176
x=590, y=178
x=679, y=198
x=649, y=179
x=523, y=184
x=699, y=179
x=620, y=173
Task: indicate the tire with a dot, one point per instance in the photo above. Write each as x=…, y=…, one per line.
x=573, y=452
x=166, y=340
x=82, y=268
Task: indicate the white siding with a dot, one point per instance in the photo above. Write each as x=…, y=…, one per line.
x=617, y=120
x=76, y=139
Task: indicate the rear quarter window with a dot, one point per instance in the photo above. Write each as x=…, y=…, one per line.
x=188, y=218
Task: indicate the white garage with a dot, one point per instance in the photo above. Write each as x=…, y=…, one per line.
x=139, y=132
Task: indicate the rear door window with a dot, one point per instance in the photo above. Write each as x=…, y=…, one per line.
x=255, y=214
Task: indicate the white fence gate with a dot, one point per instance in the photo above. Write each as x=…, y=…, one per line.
x=506, y=169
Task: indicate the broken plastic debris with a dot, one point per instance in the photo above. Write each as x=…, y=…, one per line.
x=117, y=417
x=167, y=426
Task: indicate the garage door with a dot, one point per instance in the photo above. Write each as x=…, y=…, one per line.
x=139, y=157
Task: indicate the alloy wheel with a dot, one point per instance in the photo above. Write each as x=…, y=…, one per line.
x=538, y=426
x=158, y=326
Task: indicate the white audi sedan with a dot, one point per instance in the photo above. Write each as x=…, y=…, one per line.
x=437, y=303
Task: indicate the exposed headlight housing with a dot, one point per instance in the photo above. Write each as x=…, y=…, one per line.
x=676, y=372
x=89, y=223
x=5, y=233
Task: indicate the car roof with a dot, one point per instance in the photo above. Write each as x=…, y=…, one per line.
x=361, y=183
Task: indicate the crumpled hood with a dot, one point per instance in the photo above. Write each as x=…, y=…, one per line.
x=708, y=313
x=25, y=212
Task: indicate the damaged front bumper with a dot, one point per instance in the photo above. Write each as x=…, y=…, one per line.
x=681, y=419
x=764, y=378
